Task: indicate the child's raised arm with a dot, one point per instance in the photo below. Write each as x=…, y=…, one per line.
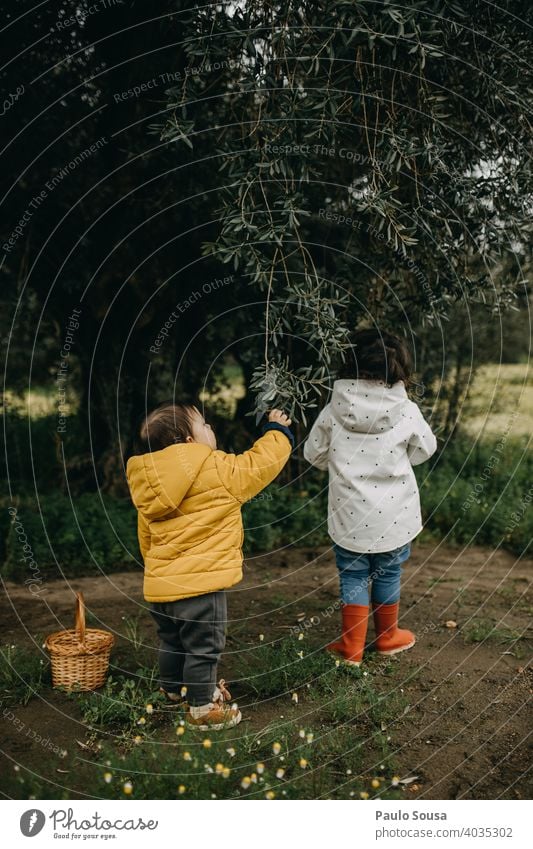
x=316, y=448
x=246, y=474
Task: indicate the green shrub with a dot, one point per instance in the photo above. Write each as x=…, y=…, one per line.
x=37, y=454
x=88, y=534
x=480, y=494
x=282, y=516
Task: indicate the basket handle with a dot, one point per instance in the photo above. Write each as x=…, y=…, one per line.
x=80, y=618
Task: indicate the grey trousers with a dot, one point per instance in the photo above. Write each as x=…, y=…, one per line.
x=192, y=635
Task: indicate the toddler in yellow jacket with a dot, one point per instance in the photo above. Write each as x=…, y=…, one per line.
x=189, y=495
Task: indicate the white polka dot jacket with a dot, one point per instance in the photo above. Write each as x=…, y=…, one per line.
x=369, y=437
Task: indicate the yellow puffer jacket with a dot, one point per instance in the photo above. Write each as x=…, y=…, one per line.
x=189, y=522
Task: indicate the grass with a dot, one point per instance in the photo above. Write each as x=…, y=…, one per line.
x=361, y=705
x=285, y=666
x=133, y=630
x=331, y=743
x=481, y=630
x=285, y=760
x=123, y=703
x=23, y=674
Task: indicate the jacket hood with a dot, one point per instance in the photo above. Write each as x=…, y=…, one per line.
x=159, y=481
x=368, y=406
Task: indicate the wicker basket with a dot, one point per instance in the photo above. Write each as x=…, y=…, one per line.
x=79, y=657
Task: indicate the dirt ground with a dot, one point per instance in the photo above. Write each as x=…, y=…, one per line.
x=466, y=730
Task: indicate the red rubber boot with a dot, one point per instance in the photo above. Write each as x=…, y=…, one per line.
x=351, y=645
x=389, y=638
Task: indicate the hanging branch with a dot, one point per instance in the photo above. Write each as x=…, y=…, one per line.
x=385, y=115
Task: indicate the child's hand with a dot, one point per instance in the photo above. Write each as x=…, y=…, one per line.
x=279, y=417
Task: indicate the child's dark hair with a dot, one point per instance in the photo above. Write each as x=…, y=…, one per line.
x=379, y=355
x=167, y=424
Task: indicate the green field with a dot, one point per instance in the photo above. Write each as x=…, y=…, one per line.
x=498, y=397
x=500, y=400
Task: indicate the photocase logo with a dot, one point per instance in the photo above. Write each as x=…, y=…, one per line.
x=32, y=822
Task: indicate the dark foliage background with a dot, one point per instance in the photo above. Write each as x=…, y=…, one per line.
x=231, y=189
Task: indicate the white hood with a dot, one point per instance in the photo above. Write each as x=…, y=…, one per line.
x=368, y=438
x=368, y=406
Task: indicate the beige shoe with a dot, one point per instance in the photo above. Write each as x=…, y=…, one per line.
x=219, y=717
x=223, y=694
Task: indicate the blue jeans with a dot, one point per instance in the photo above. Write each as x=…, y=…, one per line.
x=383, y=569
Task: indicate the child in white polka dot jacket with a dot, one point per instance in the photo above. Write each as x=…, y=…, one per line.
x=368, y=437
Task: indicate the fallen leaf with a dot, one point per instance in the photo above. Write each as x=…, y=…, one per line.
x=409, y=779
